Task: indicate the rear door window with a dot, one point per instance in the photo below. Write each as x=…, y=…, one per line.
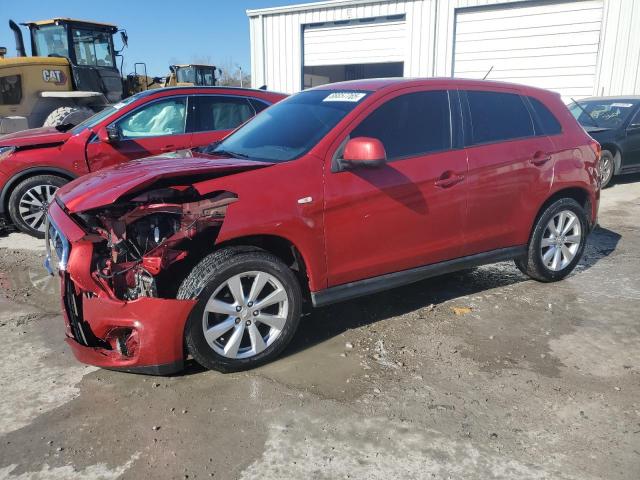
x=497, y=116
x=215, y=112
x=410, y=125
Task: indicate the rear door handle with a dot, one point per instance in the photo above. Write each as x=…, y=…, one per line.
x=540, y=158
x=448, y=179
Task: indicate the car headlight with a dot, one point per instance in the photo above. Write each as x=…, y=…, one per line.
x=55, y=244
x=6, y=151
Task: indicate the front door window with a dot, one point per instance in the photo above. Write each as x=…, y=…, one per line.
x=164, y=117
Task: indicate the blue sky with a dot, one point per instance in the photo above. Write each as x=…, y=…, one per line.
x=160, y=31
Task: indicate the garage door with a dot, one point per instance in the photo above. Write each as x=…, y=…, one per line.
x=553, y=46
x=355, y=43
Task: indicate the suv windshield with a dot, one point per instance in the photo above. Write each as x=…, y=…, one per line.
x=602, y=113
x=292, y=127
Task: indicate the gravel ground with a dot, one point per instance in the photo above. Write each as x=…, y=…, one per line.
x=475, y=375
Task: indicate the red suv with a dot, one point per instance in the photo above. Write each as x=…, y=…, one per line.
x=336, y=192
x=35, y=163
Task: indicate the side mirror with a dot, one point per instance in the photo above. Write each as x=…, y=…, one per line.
x=109, y=134
x=363, y=152
x=124, y=37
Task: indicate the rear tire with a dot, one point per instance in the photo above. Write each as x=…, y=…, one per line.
x=557, y=242
x=67, y=116
x=607, y=168
x=29, y=201
x=236, y=324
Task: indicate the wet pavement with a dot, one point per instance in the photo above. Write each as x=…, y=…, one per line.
x=480, y=374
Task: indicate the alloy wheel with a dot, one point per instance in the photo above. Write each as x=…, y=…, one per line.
x=561, y=240
x=245, y=314
x=34, y=203
x=606, y=169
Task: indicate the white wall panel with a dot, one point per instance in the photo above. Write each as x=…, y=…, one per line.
x=430, y=40
x=378, y=42
x=509, y=41
x=619, y=72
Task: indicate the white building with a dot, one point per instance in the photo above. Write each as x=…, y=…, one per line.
x=577, y=48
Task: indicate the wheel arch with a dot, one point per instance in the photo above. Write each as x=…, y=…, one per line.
x=617, y=155
x=27, y=173
x=579, y=194
x=282, y=248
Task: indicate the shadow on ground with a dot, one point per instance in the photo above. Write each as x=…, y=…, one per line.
x=325, y=323
x=625, y=179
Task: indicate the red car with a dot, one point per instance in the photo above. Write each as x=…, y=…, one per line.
x=336, y=192
x=35, y=163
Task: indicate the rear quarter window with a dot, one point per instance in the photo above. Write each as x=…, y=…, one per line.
x=548, y=124
x=498, y=116
x=258, y=105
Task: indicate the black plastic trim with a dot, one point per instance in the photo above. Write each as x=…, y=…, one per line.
x=160, y=370
x=388, y=281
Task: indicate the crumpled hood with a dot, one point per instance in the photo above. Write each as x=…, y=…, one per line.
x=105, y=187
x=34, y=137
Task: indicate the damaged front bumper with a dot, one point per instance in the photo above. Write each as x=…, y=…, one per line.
x=142, y=336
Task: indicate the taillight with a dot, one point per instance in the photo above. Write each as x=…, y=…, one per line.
x=597, y=149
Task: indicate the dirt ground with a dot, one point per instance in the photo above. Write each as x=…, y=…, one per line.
x=477, y=375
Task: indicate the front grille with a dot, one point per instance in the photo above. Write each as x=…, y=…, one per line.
x=73, y=308
x=79, y=327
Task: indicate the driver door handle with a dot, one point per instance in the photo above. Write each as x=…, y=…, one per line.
x=540, y=158
x=448, y=179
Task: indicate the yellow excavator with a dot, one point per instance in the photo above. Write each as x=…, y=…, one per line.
x=71, y=74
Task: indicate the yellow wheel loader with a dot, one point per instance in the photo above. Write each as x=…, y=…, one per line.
x=71, y=74
x=190, y=75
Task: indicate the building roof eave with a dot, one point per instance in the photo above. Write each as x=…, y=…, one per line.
x=308, y=6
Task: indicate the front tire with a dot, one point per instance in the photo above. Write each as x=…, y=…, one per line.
x=557, y=242
x=248, y=309
x=29, y=201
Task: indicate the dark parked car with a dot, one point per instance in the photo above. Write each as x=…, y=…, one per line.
x=35, y=163
x=615, y=123
x=336, y=192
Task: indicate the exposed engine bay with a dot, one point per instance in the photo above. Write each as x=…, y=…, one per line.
x=138, y=239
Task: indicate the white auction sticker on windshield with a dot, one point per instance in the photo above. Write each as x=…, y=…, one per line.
x=345, y=97
x=622, y=105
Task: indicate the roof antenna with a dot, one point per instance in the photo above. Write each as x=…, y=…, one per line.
x=485, y=77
